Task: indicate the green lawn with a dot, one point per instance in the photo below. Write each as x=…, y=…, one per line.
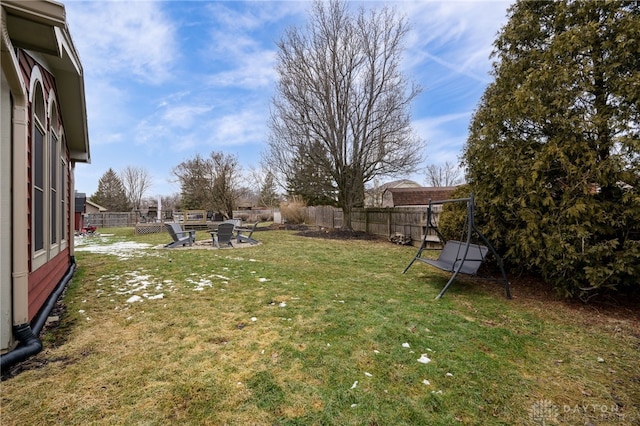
x=302, y=331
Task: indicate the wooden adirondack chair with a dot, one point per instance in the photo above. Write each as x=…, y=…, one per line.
x=223, y=235
x=246, y=238
x=180, y=237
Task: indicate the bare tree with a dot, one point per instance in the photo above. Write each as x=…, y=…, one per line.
x=342, y=102
x=171, y=202
x=446, y=174
x=266, y=190
x=136, y=181
x=226, y=182
x=211, y=184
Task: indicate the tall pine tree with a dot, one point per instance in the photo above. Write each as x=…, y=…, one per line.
x=111, y=193
x=554, y=147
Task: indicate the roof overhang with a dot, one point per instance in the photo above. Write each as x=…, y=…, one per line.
x=41, y=26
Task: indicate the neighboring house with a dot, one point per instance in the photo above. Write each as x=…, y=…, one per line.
x=84, y=206
x=92, y=207
x=80, y=206
x=415, y=197
x=44, y=133
x=374, y=197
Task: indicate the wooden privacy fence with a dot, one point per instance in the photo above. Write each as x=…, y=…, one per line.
x=386, y=222
x=191, y=219
x=111, y=220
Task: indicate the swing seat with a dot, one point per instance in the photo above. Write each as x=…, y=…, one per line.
x=452, y=254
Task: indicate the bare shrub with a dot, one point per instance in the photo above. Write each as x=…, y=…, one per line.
x=265, y=217
x=243, y=216
x=294, y=212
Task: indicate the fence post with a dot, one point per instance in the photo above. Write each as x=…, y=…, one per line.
x=366, y=220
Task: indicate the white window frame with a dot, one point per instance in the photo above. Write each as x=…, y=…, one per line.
x=39, y=255
x=64, y=196
x=53, y=185
x=55, y=213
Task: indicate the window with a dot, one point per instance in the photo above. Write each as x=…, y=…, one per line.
x=49, y=176
x=63, y=197
x=53, y=201
x=38, y=154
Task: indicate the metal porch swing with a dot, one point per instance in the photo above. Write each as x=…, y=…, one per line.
x=459, y=256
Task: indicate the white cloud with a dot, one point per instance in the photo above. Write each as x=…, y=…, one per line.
x=185, y=116
x=456, y=34
x=240, y=38
x=254, y=70
x=240, y=128
x=445, y=134
x=133, y=38
x=168, y=80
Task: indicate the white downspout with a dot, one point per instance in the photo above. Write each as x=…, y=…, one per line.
x=20, y=189
x=72, y=209
x=20, y=218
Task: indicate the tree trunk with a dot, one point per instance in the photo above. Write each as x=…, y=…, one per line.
x=346, y=219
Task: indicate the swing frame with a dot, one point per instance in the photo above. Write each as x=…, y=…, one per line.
x=457, y=265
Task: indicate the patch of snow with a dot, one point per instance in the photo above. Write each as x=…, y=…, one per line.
x=134, y=298
x=353, y=386
x=423, y=359
x=406, y=345
x=368, y=374
x=104, y=245
x=201, y=284
x=222, y=277
x=156, y=297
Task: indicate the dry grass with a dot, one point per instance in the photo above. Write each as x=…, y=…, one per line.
x=327, y=314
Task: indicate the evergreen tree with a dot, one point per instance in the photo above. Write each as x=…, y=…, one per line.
x=268, y=195
x=111, y=193
x=196, y=183
x=554, y=147
x=308, y=181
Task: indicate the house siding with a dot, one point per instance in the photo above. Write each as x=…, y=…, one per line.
x=27, y=64
x=28, y=276
x=44, y=279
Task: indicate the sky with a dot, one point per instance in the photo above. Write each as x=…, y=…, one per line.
x=167, y=80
